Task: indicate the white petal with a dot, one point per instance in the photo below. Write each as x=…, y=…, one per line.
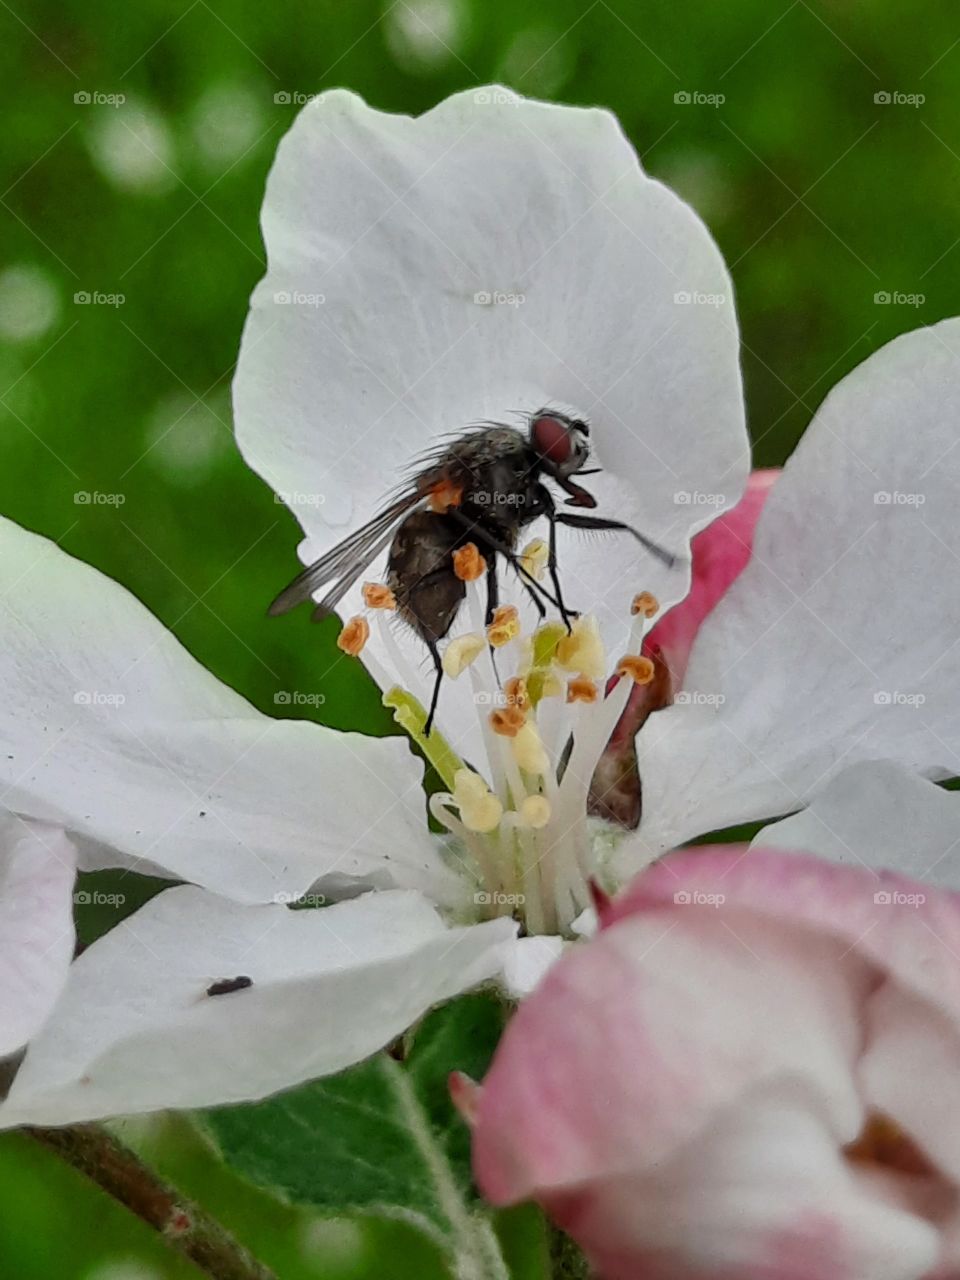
x=526, y=961
x=38, y=865
x=838, y=643
x=135, y=1030
x=397, y=223
x=880, y=815
x=110, y=729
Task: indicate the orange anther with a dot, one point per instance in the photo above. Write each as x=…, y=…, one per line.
x=641, y=670
x=354, y=636
x=376, y=595
x=468, y=563
x=581, y=690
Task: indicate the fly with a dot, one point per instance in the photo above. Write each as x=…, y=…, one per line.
x=485, y=486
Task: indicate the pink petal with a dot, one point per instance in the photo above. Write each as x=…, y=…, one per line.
x=680, y=1091
x=720, y=553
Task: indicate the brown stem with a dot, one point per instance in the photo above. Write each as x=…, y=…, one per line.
x=94, y=1152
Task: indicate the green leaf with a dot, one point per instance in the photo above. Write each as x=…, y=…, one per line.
x=383, y=1137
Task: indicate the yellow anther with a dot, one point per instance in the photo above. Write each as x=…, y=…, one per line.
x=641, y=670
x=581, y=690
x=483, y=815
x=468, y=786
x=480, y=810
x=646, y=603
x=377, y=595
x=535, y=811
x=505, y=626
x=516, y=694
x=533, y=558
x=582, y=650
x=468, y=563
x=507, y=721
x=354, y=636
x=528, y=750
x=460, y=652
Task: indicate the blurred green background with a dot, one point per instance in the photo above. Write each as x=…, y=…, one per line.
x=820, y=142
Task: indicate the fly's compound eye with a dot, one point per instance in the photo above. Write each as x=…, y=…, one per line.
x=552, y=439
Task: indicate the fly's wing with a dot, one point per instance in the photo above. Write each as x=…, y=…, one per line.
x=345, y=562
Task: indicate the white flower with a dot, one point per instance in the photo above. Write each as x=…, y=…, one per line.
x=487, y=259
x=380, y=232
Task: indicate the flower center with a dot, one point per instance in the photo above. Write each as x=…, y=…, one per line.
x=519, y=820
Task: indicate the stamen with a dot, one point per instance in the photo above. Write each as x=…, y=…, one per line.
x=461, y=652
x=535, y=812
x=468, y=563
x=412, y=718
x=507, y=721
x=582, y=650
x=515, y=692
x=534, y=557
x=640, y=670
x=528, y=750
x=377, y=595
x=354, y=636
x=505, y=626
x=581, y=690
x=646, y=603
x=480, y=810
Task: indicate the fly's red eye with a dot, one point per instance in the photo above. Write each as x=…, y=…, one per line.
x=551, y=439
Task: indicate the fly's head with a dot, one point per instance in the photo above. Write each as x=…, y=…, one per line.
x=562, y=444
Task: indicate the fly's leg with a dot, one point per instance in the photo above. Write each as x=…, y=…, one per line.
x=598, y=522
x=493, y=590
x=492, y=544
x=493, y=599
x=438, y=665
x=550, y=512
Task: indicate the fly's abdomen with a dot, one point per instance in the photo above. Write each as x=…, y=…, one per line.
x=420, y=573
